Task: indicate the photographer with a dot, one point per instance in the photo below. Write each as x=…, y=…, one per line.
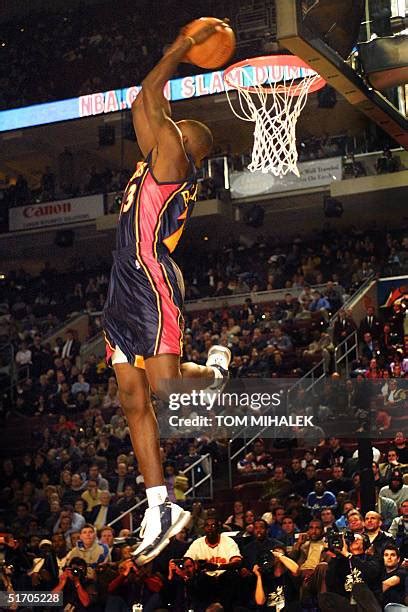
x=352, y=575
x=261, y=545
x=181, y=591
x=393, y=580
x=74, y=585
x=275, y=587
x=132, y=585
x=14, y=564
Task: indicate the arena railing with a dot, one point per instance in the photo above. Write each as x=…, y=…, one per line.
x=356, y=297
x=345, y=351
x=308, y=381
x=206, y=462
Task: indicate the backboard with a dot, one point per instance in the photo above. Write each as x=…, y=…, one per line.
x=326, y=49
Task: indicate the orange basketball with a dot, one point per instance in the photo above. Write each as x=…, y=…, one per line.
x=216, y=50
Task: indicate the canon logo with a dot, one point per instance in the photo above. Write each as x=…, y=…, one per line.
x=47, y=210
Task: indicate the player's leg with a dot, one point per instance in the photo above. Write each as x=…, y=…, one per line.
x=164, y=519
x=134, y=393
x=165, y=371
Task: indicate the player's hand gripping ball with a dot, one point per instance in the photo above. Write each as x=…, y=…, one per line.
x=214, y=42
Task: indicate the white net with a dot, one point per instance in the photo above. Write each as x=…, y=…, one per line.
x=274, y=108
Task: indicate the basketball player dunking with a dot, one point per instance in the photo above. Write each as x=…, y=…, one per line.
x=142, y=315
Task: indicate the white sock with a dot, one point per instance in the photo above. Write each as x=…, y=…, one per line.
x=156, y=495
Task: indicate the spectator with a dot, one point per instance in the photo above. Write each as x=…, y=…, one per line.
x=261, y=544
x=278, y=485
x=119, y=482
x=319, y=302
x=23, y=355
x=289, y=532
x=392, y=463
x=399, y=529
x=378, y=538
x=236, y=520
x=275, y=529
x=217, y=581
x=387, y=163
x=336, y=455
x=296, y=474
x=304, y=487
x=341, y=522
x=94, y=474
x=92, y=495
x=328, y=519
x=396, y=490
x=176, y=483
x=89, y=549
x=394, y=580
x=71, y=346
x=310, y=554
x=370, y=324
x=320, y=498
x=105, y=512
x=401, y=447
x=355, y=521
x=258, y=461
x=338, y=482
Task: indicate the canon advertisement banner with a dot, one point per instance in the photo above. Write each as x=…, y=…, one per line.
x=75, y=210
x=316, y=173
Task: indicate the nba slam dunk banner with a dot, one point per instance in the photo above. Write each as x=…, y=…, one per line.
x=121, y=99
x=58, y=213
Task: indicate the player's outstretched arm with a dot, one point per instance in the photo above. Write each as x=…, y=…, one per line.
x=171, y=163
x=144, y=134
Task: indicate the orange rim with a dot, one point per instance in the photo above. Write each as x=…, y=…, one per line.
x=290, y=61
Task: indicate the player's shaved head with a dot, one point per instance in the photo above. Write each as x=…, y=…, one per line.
x=197, y=137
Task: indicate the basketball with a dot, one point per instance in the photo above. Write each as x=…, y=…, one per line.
x=216, y=50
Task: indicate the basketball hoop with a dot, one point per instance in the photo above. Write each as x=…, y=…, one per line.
x=272, y=92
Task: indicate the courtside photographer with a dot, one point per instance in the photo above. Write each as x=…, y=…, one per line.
x=13, y=564
x=76, y=588
x=134, y=585
x=181, y=590
x=353, y=575
x=275, y=584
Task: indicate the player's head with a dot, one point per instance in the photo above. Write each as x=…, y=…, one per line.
x=197, y=139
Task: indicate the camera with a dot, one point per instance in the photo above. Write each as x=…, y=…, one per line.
x=266, y=562
x=179, y=563
x=334, y=539
x=77, y=571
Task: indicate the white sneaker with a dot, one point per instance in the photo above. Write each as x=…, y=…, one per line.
x=219, y=357
x=160, y=523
